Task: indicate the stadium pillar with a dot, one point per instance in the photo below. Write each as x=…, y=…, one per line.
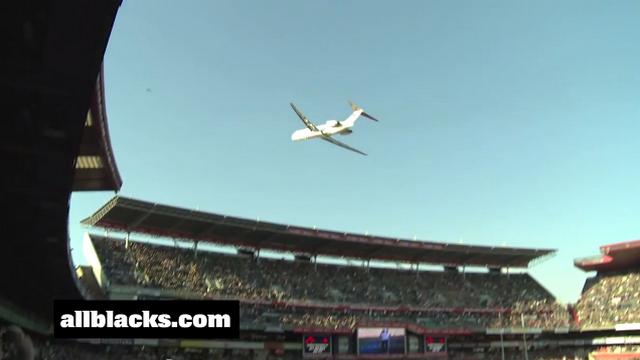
x=524, y=338
x=126, y=240
x=195, y=248
x=501, y=335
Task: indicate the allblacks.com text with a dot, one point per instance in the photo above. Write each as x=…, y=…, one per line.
x=146, y=319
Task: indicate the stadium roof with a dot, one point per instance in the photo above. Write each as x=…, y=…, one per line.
x=131, y=215
x=618, y=256
x=95, y=167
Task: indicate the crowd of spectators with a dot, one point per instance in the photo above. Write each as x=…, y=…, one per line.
x=565, y=353
x=74, y=351
x=18, y=344
x=296, y=316
x=610, y=298
x=548, y=353
x=462, y=298
x=620, y=349
x=77, y=351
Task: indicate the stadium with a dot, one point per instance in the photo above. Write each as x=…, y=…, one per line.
x=303, y=292
x=284, y=302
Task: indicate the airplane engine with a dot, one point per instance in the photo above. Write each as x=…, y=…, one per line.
x=346, y=132
x=333, y=123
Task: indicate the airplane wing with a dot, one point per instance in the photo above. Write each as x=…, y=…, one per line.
x=304, y=119
x=343, y=145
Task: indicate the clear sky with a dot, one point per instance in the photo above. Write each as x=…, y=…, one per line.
x=502, y=122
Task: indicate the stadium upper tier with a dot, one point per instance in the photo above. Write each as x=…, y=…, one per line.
x=619, y=256
x=304, y=294
x=131, y=215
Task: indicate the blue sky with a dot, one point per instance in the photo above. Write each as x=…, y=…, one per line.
x=502, y=122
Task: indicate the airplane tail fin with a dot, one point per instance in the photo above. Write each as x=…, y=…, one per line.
x=355, y=107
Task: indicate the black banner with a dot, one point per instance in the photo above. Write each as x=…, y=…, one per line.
x=175, y=319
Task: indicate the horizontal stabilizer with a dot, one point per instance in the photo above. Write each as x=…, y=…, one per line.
x=355, y=107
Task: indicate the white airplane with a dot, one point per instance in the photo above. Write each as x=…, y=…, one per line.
x=330, y=128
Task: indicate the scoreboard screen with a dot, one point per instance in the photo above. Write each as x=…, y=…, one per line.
x=381, y=340
x=316, y=344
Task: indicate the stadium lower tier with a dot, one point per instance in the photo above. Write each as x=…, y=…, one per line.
x=434, y=299
x=47, y=349
x=366, y=343
x=123, y=352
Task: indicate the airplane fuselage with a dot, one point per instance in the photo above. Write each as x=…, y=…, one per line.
x=330, y=128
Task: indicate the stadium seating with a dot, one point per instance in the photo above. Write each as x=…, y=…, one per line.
x=431, y=298
x=538, y=354
x=610, y=298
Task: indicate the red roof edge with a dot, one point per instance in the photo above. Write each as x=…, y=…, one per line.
x=593, y=263
x=621, y=246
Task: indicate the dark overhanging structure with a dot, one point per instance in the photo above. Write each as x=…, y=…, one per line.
x=136, y=216
x=52, y=55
